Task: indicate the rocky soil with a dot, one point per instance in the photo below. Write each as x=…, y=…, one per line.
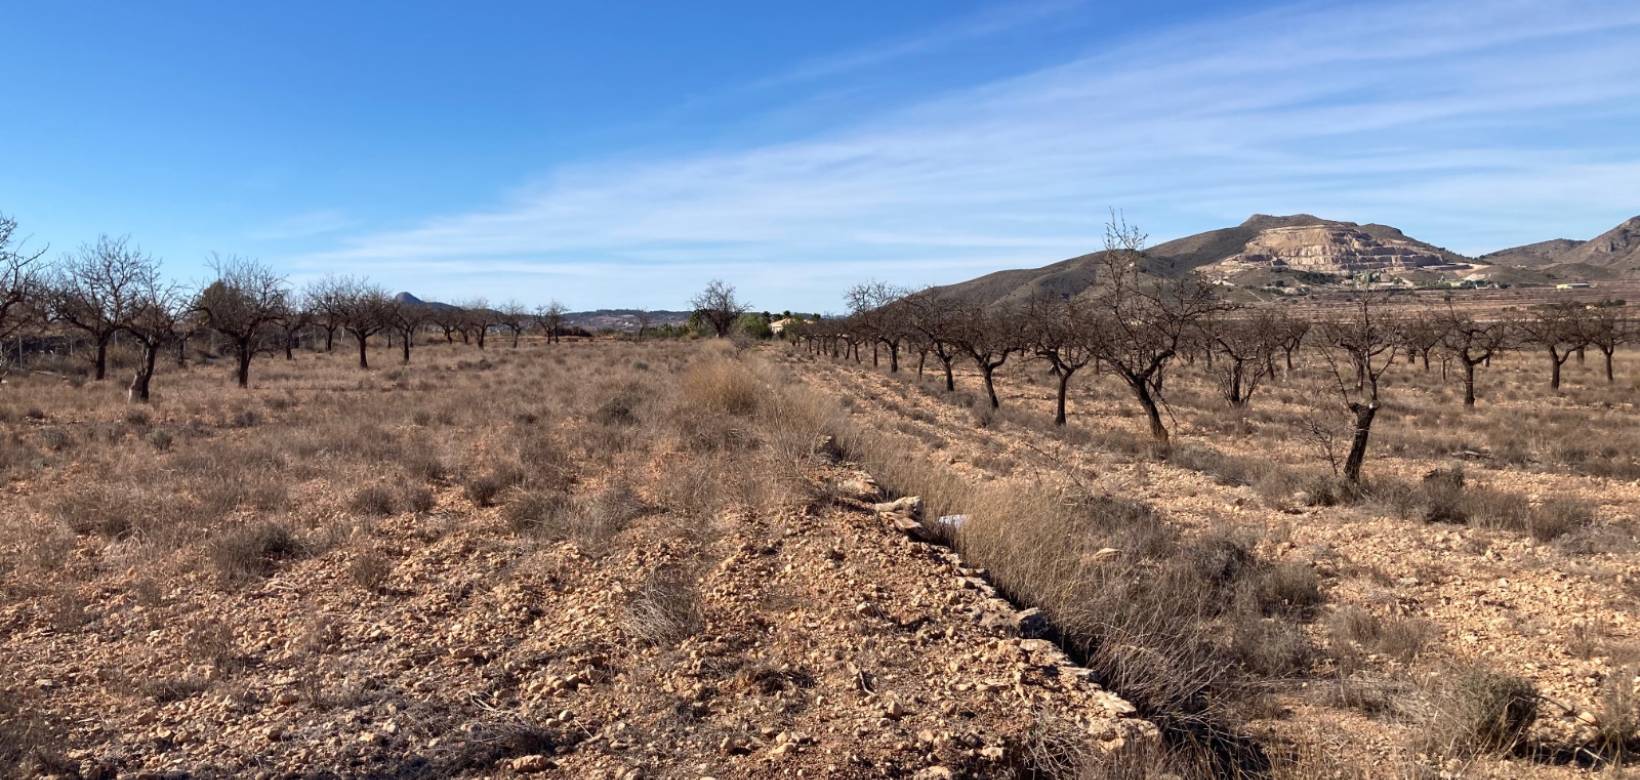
x=1562, y=615
x=824, y=644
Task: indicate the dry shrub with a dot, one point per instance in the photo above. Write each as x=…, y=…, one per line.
x=599, y=517
x=619, y=407
x=252, y=550
x=538, y=511
x=483, y=489
x=370, y=570
x=544, y=463
x=97, y=508
x=1617, y=721
x=1558, y=517
x=374, y=501
x=1401, y=638
x=715, y=399
x=1474, y=710
x=666, y=608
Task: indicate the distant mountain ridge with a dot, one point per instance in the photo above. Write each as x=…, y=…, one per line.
x=594, y=320
x=1303, y=250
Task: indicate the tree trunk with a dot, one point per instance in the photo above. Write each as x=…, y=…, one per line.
x=1233, y=393
x=330, y=338
x=986, y=371
x=1158, y=430
x=1554, y=370
x=182, y=352
x=1608, y=353
x=1059, y=407
x=290, y=342
x=404, y=347
x=1468, y=384
x=874, y=346
x=138, y=392
x=515, y=340
x=922, y=357
x=244, y=352
x=102, y=358
x=1358, y=442
x=950, y=382
x=364, y=354
x=894, y=358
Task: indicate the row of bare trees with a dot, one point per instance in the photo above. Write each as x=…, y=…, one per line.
x=1136, y=325
x=111, y=290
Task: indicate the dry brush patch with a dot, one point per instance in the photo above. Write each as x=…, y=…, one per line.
x=1424, y=569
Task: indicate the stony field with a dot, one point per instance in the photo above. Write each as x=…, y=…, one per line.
x=692, y=559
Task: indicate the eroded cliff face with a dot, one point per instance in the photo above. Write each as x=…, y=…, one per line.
x=1333, y=249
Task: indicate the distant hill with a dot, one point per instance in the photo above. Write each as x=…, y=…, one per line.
x=1611, y=255
x=1531, y=255
x=595, y=320
x=1305, y=248
x=1617, y=250
x=405, y=297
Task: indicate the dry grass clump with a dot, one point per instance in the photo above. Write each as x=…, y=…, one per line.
x=538, y=511
x=1354, y=630
x=252, y=550
x=1474, y=710
x=484, y=488
x=1191, y=631
x=666, y=608
x=1617, y=721
x=370, y=570
x=104, y=509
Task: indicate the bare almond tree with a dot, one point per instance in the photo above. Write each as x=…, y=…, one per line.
x=1359, y=347
x=366, y=310
x=1147, y=316
x=1607, y=329
x=514, y=317
x=451, y=321
x=324, y=307
x=877, y=309
x=550, y=319
x=1471, y=341
x=1421, y=333
x=1246, y=347
x=245, y=299
x=477, y=318
x=406, y=318
x=1065, y=332
x=718, y=307
x=94, y=290
x=295, y=315
x=934, y=320
x=155, y=319
x=988, y=335
x=1559, y=329
x=20, y=282
x=644, y=319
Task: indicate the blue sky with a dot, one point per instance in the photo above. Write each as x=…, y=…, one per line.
x=624, y=153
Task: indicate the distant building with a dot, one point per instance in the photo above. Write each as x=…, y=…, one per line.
x=1573, y=286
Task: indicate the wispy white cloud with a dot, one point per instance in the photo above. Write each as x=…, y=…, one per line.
x=977, y=26
x=305, y=225
x=1472, y=124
